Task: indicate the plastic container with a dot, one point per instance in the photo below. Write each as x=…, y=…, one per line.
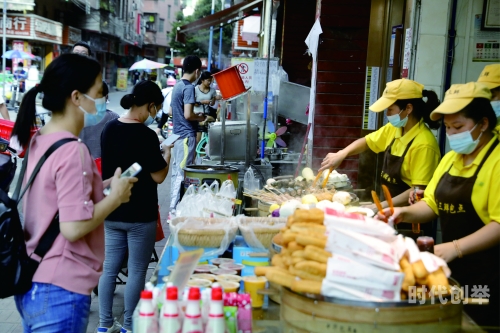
x=145, y=322
x=204, y=268
x=200, y=283
x=223, y=271
x=209, y=277
x=228, y=277
x=216, y=322
x=6, y=127
x=230, y=83
x=192, y=321
x=235, y=267
x=229, y=286
x=169, y=318
x=220, y=261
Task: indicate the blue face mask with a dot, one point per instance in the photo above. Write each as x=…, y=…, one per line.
x=463, y=143
x=396, y=120
x=150, y=119
x=92, y=119
x=496, y=107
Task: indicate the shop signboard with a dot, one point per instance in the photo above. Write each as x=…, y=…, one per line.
x=71, y=35
x=121, y=81
x=17, y=26
x=33, y=27
x=48, y=30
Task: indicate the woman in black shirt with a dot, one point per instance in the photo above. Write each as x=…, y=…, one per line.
x=131, y=227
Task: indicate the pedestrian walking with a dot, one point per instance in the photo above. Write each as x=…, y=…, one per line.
x=132, y=227
x=68, y=187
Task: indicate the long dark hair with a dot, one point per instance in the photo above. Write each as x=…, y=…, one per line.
x=145, y=92
x=67, y=73
x=479, y=109
x=205, y=75
x=422, y=109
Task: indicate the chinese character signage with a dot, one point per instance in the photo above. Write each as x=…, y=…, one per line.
x=121, y=82
x=245, y=66
x=32, y=27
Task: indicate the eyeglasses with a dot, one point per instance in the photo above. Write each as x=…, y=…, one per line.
x=82, y=53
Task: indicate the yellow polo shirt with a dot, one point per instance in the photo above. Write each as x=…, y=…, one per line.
x=421, y=159
x=486, y=190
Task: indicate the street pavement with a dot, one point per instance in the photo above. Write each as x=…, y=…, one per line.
x=10, y=321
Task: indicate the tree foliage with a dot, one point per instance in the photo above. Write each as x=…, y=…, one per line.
x=197, y=42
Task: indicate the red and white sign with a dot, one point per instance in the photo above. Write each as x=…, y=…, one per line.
x=246, y=68
x=33, y=27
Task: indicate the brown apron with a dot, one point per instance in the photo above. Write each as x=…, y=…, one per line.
x=459, y=219
x=391, y=171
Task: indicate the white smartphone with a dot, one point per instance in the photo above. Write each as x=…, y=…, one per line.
x=130, y=172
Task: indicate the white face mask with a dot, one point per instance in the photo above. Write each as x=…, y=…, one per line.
x=463, y=143
x=496, y=107
x=92, y=119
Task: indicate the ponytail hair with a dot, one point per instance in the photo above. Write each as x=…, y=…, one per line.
x=145, y=92
x=421, y=109
x=67, y=73
x=26, y=117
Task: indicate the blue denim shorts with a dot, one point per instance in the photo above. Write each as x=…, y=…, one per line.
x=47, y=308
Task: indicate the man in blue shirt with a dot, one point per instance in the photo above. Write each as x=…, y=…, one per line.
x=185, y=124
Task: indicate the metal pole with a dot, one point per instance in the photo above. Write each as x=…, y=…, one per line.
x=219, y=65
x=4, y=43
x=223, y=132
x=209, y=67
x=270, y=8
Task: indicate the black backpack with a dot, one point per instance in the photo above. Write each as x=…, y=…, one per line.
x=16, y=266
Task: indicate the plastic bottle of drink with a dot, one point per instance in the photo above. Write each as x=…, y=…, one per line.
x=216, y=321
x=169, y=318
x=146, y=321
x=192, y=320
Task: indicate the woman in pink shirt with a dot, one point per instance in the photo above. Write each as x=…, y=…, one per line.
x=68, y=184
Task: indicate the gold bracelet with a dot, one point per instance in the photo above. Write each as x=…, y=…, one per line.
x=457, y=248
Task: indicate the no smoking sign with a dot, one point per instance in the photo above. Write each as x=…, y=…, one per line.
x=243, y=68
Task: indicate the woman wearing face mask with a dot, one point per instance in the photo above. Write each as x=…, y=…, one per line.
x=464, y=194
x=94, y=124
x=490, y=77
x=125, y=141
x=68, y=184
x=411, y=152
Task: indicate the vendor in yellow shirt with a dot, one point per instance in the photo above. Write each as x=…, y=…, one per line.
x=490, y=77
x=411, y=150
x=465, y=194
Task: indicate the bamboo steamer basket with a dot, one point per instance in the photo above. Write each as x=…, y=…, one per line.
x=262, y=231
x=308, y=315
x=204, y=236
x=263, y=208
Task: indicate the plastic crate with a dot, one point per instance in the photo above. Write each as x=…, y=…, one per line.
x=6, y=127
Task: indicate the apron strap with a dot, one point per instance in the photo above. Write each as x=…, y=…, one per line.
x=488, y=153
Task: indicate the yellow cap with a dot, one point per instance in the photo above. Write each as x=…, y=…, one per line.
x=395, y=90
x=459, y=96
x=490, y=76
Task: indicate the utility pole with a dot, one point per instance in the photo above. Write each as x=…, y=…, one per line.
x=209, y=67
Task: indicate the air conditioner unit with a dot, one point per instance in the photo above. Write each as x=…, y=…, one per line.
x=134, y=6
x=131, y=14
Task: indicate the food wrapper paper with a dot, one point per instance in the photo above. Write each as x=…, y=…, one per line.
x=347, y=271
x=433, y=262
x=335, y=289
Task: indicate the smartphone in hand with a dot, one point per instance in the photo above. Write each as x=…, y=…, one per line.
x=132, y=171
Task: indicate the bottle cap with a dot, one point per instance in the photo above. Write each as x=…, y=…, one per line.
x=229, y=177
x=194, y=294
x=146, y=294
x=217, y=294
x=172, y=293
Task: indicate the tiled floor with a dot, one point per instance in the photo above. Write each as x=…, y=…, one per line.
x=10, y=321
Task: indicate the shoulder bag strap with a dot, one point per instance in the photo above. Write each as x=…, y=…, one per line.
x=51, y=233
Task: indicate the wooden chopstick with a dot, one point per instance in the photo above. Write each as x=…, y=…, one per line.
x=376, y=200
x=325, y=181
x=388, y=197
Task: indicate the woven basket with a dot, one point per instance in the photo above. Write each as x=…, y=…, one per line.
x=259, y=231
x=203, y=235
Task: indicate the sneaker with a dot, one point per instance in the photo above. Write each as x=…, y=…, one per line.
x=116, y=328
x=123, y=330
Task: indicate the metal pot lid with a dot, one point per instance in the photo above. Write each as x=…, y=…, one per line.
x=211, y=169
